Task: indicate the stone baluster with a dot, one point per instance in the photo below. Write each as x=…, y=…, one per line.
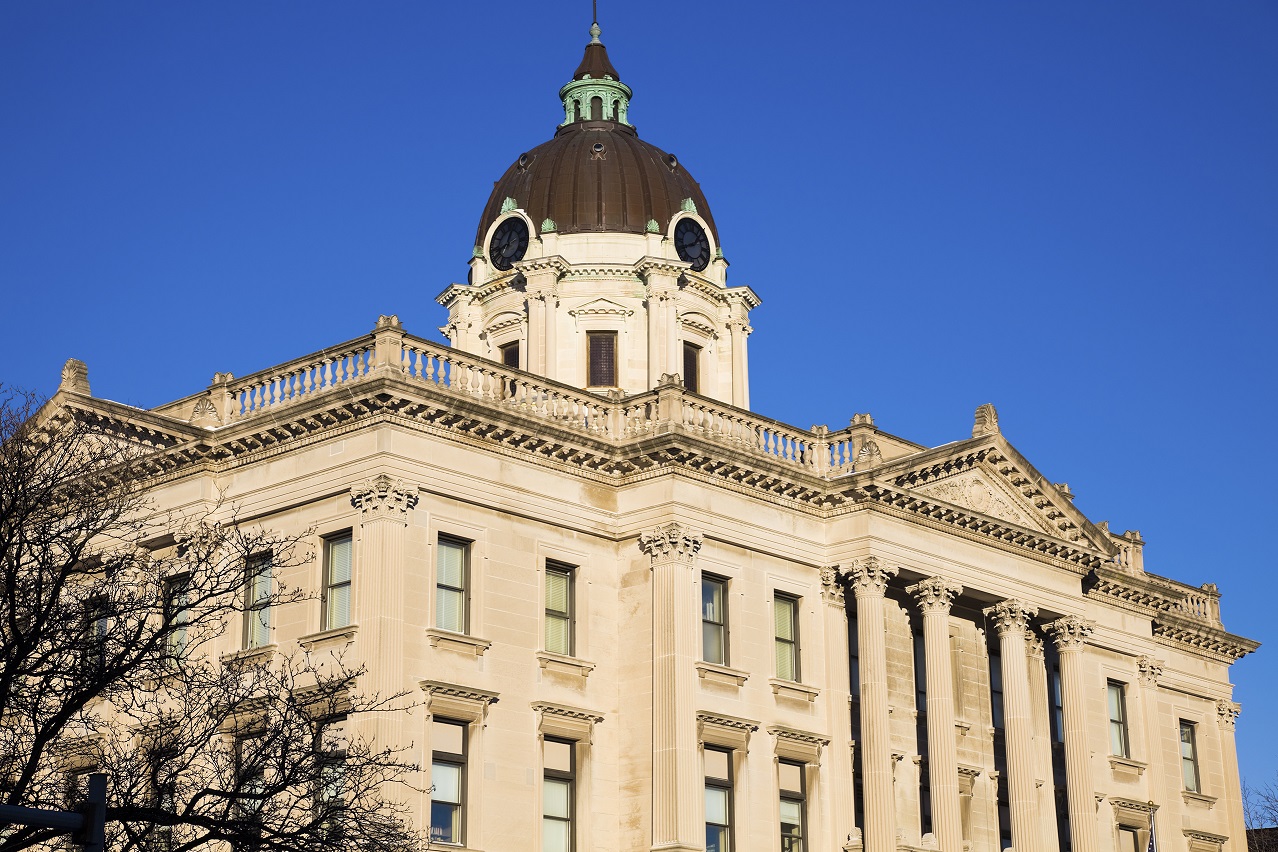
x=677, y=779
x=935, y=596
x=869, y=579
x=1011, y=617
x=1070, y=636
x=838, y=773
x=1227, y=715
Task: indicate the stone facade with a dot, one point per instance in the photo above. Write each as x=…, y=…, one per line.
x=836, y=634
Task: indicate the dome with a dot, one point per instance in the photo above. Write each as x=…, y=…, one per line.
x=596, y=174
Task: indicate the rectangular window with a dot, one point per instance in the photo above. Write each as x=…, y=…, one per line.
x=692, y=367
x=785, y=619
x=510, y=354
x=601, y=359
x=793, y=806
x=451, y=579
x=250, y=785
x=176, y=614
x=559, y=638
x=1118, y=743
x=718, y=800
x=996, y=691
x=97, y=625
x=337, y=581
x=257, y=602
x=1128, y=840
x=714, y=619
x=558, y=799
x=448, y=781
x=330, y=786
x=1057, y=706
x=1189, y=756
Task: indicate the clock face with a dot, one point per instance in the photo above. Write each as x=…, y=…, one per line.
x=509, y=243
x=692, y=244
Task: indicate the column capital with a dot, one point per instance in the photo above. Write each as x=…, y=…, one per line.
x=1011, y=616
x=383, y=496
x=671, y=542
x=1070, y=632
x=1150, y=670
x=1227, y=713
x=831, y=586
x=869, y=576
x=1034, y=646
x=935, y=594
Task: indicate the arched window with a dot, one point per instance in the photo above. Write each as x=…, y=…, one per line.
x=596, y=108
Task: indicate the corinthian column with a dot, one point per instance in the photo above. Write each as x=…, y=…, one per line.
x=1227, y=715
x=1070, y=635
x=1011, y=617
x=838, y=775
x=384, y=504
x=935, y=596
x=677, y=779
x=869, y=581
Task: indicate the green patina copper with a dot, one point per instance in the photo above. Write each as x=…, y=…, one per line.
x=547, y=226
x=652, y=227
x=509, y=204
x=477, y=251
x=688, y=206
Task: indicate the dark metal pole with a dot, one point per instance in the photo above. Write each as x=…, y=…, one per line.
x=86, y=826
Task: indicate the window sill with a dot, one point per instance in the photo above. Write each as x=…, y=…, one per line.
x=794, y=690
x=458, y=642
x=720, y=674
x=1126, y=769
x=262, y=652
x=561, y=664
x=1192, y=798
x=326, y=638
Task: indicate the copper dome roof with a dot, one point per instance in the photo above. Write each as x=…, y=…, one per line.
x=596, y=175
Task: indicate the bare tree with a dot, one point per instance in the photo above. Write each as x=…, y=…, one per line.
x=107, y=615
x=1260, y=809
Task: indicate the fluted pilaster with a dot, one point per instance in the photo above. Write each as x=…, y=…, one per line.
x=869, y=579
x=838, y=772
x=677, y=780
x=935, y=596
x=1011, y=618
x=1070, y=635
x=1227, y=715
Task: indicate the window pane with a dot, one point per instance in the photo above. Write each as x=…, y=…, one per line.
x=555, y=835
x=510, y=355
x=716, y=839
x=558, y=755
x=446, y=779
x=445, y=822
x=785, y=660
x=790, y=776
x=339, y=560
x=557, y=634
x=783, y=617
x=1115, y=702
x=716, y=764
x=449, y=737
x=712, y=643
x=339, y=607
x=450, y=610
x=712, y=600
x=259, y=627
x=691, y=360
x=717, y=805
x=557, y=591
x=555, y=798
x=451, y=570
x=602, y=356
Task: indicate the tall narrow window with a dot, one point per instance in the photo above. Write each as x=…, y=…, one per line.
x=1189, y=757
x=451, y=576
x=559, y=608
x=558, y=796
x=250, y=784
x=448, y=781
x=692, y=367
x=601, y=359
x=714, y=619
x=793, y=806
x=330, y=784
x=176, y=615
x=1056, y=704
x=785, y=619
x=510, y=354
x=1118, y=742
x=718, y=800
x=996, y=691
x=96, y=627
x=337, y=581
x=257, y=602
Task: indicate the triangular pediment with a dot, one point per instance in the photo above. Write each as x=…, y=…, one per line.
x=601, y=307
x=981, y=491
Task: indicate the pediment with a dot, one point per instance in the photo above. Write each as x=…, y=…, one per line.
x=601, y=307
x=981, y=491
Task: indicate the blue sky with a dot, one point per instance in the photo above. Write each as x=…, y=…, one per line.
x=1069, y=210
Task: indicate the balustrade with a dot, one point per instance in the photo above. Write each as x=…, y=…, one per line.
x=299, y=378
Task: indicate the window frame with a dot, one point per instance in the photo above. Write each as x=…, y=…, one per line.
x=176, y=614
x=726, y=785
x=257, y=605
x=692, y=378
x=466, y=546
x=1190, y=762
x=794, y=643
x=799, y=797
x=570, y=777
x=327, y=584
x=504, y=350
x=709, y=579
x=568, y=615
x=603, y=334
x=459, y=760
x=1118, y=727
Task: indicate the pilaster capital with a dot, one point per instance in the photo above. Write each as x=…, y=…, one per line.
x=831, y=585
x=1227, y=713
x=671, y=542
x=869, y=577
x=1011, y=616
x=383, y=496
x=1070, y=633
x=935, y=594
x=1150, y=670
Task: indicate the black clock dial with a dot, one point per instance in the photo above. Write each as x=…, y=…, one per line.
x=509, y=243
x=692, y=244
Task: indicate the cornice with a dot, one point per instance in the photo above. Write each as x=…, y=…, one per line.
x=1208, y=641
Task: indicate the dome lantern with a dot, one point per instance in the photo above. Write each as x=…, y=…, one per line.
x=595, y=92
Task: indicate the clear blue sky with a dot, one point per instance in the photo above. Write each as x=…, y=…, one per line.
x=1068, y=209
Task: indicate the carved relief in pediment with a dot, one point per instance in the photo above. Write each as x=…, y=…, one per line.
x=974, y=491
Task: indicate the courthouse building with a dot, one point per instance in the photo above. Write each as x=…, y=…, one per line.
x=640, y=616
